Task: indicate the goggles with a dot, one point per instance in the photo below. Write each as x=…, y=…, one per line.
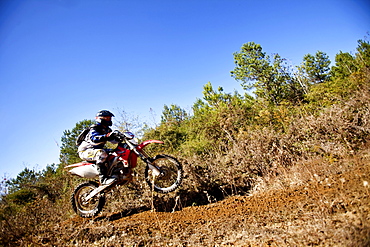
x=104, y=118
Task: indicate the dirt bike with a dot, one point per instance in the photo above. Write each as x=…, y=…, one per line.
x=163, y=174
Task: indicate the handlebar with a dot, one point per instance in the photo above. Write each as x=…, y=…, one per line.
x=125, y=135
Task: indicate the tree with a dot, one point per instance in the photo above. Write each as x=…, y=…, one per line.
x=20, y=189
x=316, y=67
x=25, y=178
x=68, y=150
x=349, y=73
x=363, y=55
x=347, y=64
x=218, y=98
x=173, y=114
x=344, y=66
x=272, y=80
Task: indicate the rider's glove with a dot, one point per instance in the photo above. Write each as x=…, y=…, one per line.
x=112, y=135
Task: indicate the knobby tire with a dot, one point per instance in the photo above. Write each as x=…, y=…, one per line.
x=173, y=177
x=78, y=204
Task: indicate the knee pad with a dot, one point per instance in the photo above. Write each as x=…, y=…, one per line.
x=100, y=156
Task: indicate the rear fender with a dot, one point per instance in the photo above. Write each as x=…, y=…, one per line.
x=83, y=169
x=145, y=143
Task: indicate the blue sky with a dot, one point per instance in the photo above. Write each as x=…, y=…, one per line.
x=63, y=60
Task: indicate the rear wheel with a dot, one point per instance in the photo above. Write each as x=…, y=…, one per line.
x=87, y=208
x=170, y=177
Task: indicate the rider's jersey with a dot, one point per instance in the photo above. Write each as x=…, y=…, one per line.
x=96, y=138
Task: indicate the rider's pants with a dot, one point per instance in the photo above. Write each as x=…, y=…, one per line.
x=97, y=155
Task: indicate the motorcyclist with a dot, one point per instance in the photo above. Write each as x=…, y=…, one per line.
x=92, y=147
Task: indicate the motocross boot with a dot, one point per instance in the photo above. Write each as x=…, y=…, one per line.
x=103, y=178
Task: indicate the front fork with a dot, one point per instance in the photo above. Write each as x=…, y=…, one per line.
x=155, y=170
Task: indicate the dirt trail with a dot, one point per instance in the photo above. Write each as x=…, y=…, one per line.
x=329, y=210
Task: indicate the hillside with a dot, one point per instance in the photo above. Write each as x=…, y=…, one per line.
x=288, y=167
x=316, y=204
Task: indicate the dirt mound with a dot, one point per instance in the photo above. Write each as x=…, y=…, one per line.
x=330, y=208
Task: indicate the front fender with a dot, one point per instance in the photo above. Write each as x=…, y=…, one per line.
x=145, y=143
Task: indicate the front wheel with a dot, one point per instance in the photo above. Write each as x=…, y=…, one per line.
x=87, y=208
x=170, y=177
